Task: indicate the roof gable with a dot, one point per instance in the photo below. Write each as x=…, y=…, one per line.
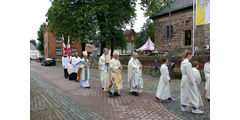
x=32, y=47
x=127, y=32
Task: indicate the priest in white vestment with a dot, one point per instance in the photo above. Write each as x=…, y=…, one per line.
x=104, y=67
x=189, y=89
x=207, y=77
x=85, y=73
x=115, y=76
x=163, y=90
x=135, y=80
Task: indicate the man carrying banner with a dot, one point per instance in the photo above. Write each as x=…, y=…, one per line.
x=115, y=76
x=103, y=66
x=65, y=62
x=135, y=80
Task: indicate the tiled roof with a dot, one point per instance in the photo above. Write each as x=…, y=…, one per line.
x=32, y=47
x=177, y=5
x=127, y=32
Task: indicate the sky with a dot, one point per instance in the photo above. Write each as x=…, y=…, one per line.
x=40, y=7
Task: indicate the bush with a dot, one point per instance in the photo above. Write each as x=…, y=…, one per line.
x=200, y=59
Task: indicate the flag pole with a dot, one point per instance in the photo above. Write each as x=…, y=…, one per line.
x=170, y=36
x=193, y=49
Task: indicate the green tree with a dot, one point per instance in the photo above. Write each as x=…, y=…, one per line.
x=152, y=7
x=33, y=42
x=40, y=38
x=147, y=30
x=94, y=21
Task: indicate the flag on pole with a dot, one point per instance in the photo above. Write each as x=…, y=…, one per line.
x=63, y=44
x=202, y=12
x=68, y=46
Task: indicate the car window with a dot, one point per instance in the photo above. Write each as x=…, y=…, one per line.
x=48, y=58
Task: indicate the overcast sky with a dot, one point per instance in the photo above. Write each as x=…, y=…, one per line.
x=40, y=8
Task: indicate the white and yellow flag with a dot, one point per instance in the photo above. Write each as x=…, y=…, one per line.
x=202, y=12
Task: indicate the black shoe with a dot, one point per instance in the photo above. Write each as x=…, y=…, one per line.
x=116, y=94
x=110, y=94
x=135, y=93
x=102, y=88
x=88, y=87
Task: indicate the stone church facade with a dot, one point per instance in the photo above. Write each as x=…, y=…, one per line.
x=182, y=28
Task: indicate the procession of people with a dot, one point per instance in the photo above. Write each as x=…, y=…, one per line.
x=111, y=77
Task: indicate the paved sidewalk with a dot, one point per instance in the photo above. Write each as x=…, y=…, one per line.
x=151, y=84
x=47, y=103
x=96, y=101
x=97, y=104
x=41, y=107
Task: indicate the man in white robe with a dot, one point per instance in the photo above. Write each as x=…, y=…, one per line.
x=104, y=66
x=74, y=61
x=69, y=69
x=85, y=73
x=135, y=81
x=115, y=76
x=207, y=77
x=65, y=62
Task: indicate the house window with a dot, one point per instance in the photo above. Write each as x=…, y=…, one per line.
x=58, y=51
x=167, y=27
x=58, y=39
x=73, y=50
x=187, y=37
x=74, y=40
x=132, y=37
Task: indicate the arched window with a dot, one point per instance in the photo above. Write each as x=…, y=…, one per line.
x=188, y=37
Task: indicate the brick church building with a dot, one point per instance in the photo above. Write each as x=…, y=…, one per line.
x=182, y=28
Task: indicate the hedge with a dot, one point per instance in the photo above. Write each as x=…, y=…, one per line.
x=200, y=59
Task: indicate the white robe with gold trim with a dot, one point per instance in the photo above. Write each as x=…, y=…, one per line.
x=85, y=73
x=115, y=74
x=104, y=68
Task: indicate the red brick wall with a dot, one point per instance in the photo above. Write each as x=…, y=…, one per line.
x=128, y=37
x=50, y=45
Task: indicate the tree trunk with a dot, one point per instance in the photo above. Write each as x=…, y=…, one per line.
x=112, y=46
x=103, y=45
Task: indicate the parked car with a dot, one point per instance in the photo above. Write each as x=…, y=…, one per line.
x=48, y=62
x=206, y=49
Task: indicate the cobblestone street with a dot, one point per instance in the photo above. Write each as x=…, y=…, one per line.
x=54, y=97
